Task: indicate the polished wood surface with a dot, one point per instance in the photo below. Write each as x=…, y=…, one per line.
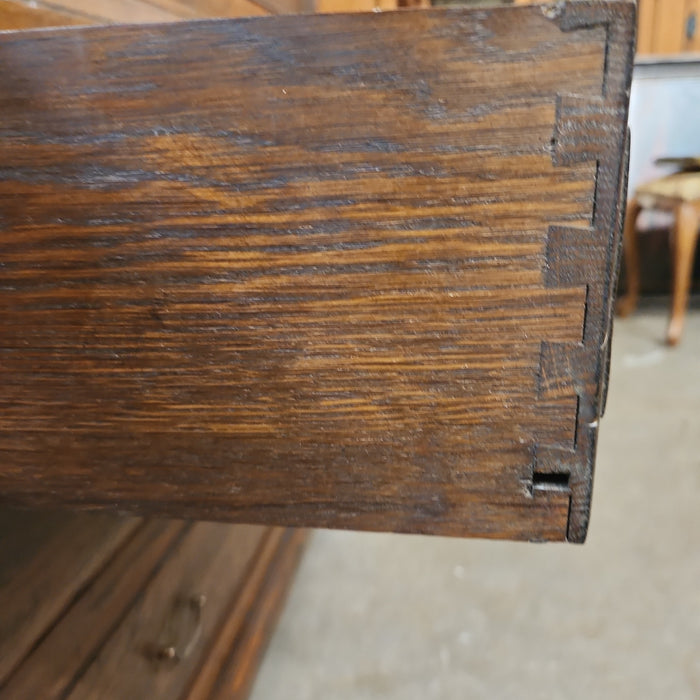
x=646, y=26
x=232, y=662
x=685, y=238
x=346, y=271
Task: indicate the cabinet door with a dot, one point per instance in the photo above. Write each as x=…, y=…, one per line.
x=645, y=26
x=339, y=271
x=691, y=26
x=668, y=27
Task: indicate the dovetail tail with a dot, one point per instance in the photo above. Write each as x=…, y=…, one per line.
x=585, y=313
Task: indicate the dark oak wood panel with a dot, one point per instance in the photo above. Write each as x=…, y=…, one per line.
x=346, y=271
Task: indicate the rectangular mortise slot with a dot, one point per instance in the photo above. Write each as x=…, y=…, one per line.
x=550, y=482
x=578, y=408
x=585, y=314
x=595, y=194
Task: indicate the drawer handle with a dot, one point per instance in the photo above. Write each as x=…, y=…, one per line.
x=186, y=615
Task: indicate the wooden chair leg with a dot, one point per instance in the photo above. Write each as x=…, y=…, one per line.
x=628, y=303
x=685, y=235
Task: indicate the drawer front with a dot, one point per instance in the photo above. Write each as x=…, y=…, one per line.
x=102, y=607
x=165, y=638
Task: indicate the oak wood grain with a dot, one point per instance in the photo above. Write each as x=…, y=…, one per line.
x=350, y=271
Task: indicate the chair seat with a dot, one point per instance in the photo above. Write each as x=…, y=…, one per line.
x=680, y=194
x=669, y=191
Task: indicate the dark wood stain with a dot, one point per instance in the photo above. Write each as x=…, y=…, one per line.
x=340, y=271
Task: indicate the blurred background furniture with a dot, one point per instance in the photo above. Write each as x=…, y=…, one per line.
x=25, y=14
x=668, y=27
x=678, y=194
x=663, y=122
x=101, y=606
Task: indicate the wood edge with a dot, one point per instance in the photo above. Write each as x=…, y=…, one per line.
x=255, y=612
x=615, y=275
x=619, y=22
x=242, y=599
x=595, y=7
